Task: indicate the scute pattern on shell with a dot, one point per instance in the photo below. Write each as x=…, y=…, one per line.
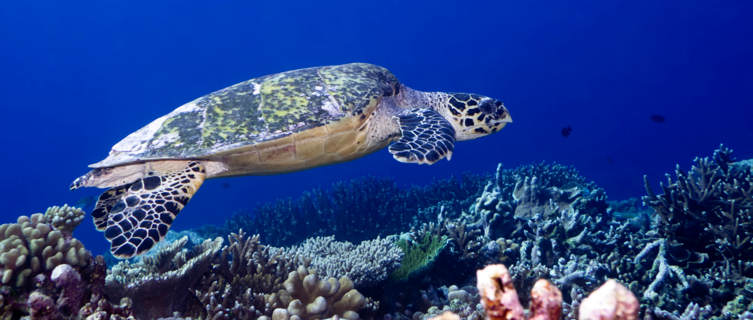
x=258, y=110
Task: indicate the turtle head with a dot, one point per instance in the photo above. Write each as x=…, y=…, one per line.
x=475, y=116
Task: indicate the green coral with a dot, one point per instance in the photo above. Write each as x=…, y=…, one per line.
x=419, y=255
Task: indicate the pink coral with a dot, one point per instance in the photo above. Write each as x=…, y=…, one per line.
x=498, y=293
x=611, y=301
x=546, y=301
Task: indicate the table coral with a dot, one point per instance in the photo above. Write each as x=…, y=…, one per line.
x=162, y=283
x=367, y=264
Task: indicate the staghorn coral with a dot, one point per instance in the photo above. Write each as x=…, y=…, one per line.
x=367, y=264
x=709, y=208
x=161, y=283
x=246, y=281
x=704, y=227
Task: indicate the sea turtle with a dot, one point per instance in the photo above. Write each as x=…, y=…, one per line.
x=272, y=124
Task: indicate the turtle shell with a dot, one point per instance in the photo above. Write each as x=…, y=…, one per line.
x=258, y=110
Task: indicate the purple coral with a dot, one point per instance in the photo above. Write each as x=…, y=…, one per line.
x=42, y=307
x=68, y=279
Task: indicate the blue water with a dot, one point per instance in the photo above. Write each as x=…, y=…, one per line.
x=78, y=76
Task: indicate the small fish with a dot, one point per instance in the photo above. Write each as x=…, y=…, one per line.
x=566, y=131
x=657, y=118
x=225, y=185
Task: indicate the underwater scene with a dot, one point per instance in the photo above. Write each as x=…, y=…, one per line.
x=376, y=160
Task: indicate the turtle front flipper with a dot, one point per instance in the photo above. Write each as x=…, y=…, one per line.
x=426, y=137
x=136, y=216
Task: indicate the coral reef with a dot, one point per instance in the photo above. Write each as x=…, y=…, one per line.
x=32, y=246
x=162, y=283
x=703, y=227
x=338, y=210
x=45, y=272
x=251, y=280
x=687, y=254
x=367, y=264
x=246, y=279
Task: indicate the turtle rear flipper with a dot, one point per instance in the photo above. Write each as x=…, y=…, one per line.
x=426, y=137
x=136, y=216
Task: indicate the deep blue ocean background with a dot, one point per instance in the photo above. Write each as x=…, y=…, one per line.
x=77, y=76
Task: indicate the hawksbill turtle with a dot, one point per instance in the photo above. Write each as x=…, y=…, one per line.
x=276, y=123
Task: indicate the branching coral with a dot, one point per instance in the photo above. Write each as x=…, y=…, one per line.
x=367, y=264
x=161, y=284
x=705, y=217
x=375, y=202
x=30, y=250
x=709, y=209
x=251, y=280
x=246, y=279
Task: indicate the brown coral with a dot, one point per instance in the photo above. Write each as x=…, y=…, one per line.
x=32, y=246
x=313, y=298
